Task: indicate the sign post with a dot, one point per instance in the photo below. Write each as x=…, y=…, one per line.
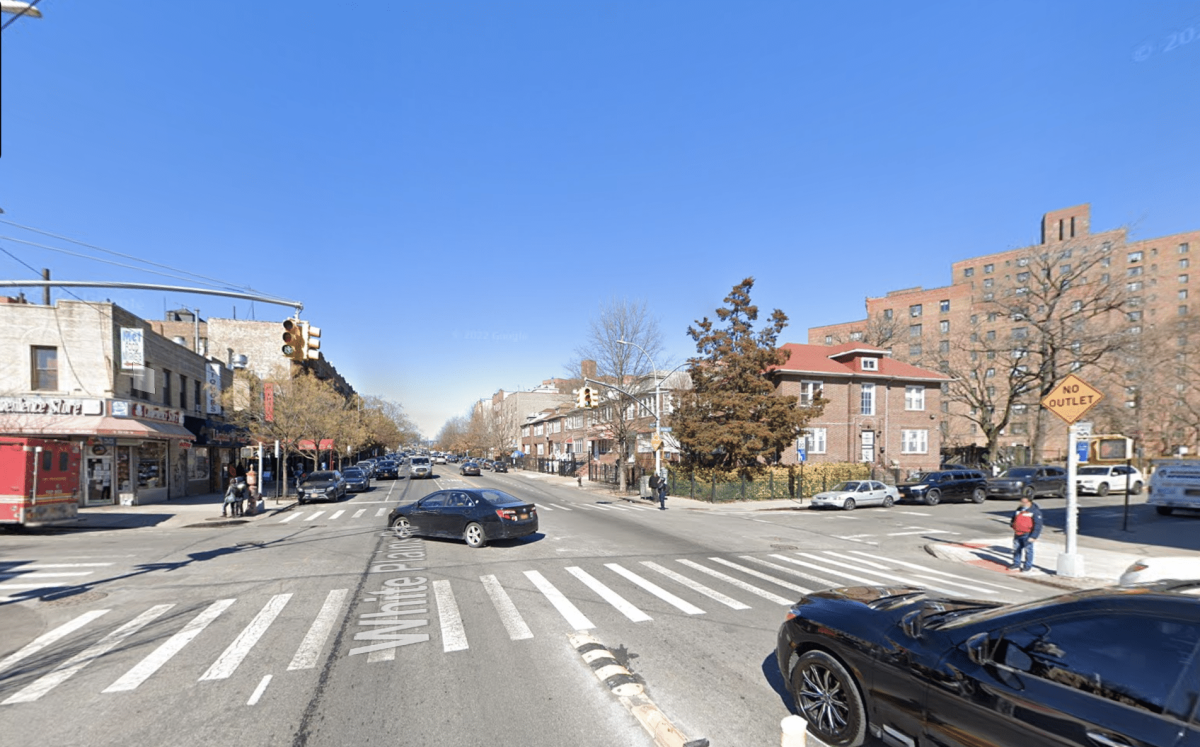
x=1070, y=400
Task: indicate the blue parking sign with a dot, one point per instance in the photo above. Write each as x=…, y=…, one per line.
x=801, y=453
x=1081, y=450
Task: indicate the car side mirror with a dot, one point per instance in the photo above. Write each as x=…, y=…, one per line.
x=977, y=648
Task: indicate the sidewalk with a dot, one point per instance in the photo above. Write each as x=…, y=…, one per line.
x=673, y=501
x=193, y=510
x=1103, y=560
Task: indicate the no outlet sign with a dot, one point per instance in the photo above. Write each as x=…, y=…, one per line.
x=1071, y=399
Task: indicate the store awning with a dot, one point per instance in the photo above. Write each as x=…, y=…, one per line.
x=22, y=424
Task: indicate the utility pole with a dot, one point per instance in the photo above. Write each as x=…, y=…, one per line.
x=46, y=289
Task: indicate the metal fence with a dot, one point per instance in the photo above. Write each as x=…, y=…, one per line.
x=549, y=466
x=772, y=483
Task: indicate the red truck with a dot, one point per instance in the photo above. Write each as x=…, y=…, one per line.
x=39, y=480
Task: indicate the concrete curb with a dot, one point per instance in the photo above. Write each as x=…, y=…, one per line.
x=630, y=692
x=967, y=552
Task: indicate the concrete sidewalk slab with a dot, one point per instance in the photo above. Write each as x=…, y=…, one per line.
x=1103, y=567
x=195, y=510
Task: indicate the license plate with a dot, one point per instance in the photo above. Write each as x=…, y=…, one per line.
x=522, y=516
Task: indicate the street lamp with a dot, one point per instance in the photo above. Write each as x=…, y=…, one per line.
x=657, y=406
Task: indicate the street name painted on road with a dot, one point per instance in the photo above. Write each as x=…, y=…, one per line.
x=405, y=595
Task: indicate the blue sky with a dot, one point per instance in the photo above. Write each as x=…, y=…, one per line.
x=451, y=188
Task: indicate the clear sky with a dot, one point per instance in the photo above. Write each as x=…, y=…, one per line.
x=452, y=187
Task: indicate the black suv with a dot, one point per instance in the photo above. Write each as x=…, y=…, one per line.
x=932, y=488
x=1032, y=481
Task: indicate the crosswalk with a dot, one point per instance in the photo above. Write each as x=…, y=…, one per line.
x=305, y=515
x=24, y=579
x=532, y=603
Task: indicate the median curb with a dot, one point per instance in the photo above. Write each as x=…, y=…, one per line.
x=623, y=684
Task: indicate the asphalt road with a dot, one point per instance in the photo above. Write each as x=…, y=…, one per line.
x=263, y=633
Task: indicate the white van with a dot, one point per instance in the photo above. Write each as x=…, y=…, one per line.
x=1174, y=483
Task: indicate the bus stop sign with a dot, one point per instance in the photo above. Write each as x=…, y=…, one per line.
x=1071, y=399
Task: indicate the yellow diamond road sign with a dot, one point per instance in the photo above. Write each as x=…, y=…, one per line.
x=1071, y=399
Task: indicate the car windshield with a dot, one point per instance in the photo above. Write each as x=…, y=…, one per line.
x=353, y=472
x=319, y=476
x=846, y=487
x=500, y=498
x=420, y=460
x=1019, y=472
x=1093, y=470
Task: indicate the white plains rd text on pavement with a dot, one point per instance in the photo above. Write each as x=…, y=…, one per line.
x=1071, y=398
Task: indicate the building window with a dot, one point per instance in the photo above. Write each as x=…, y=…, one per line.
x=810, y=391
x=969, y=272
x=1183, y=309
x=182, y=392
x=828, y=339
x=991, y=334
x=914, y=441
x=1134, y=287
x=989, y=282
x=1064, y=270
x=1137, y=330
x=944, y=305
x=914, y=310
x=856, y=336
x=867, y=399
x=990, y=373
x=988, y=296
x=1183, y=248
x=44, y=368
x=1183, y=263
x=1022, y=277
x=1134, y=316
x=196, y=395
x=1020, y=333
x=1183, y=294
x=914, y=330
x=944, y=327
x=1182, y=278
x=1133, y=272
x=914, y=397
x=1135, y=257
x=814, y=440
x=870, y=364
x=944, y=346
x=1023, y=262
x=887, y=314
x=166, y=387
x=914, y=351
x=989, y=269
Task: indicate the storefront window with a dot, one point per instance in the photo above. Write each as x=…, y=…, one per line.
x=197, y=463
x=152, y=464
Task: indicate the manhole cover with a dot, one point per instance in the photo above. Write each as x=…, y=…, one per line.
x=65, y=598
x=784, y=547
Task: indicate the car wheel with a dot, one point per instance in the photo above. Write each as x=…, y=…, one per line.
x=888, y=501
x=933, y=497
x=1136, y=488
x=1102, y=489
x=827, y=697
x=1163, y=510
x=474, y=535
x=849, y=505
x=401, y=526
x=979, y=495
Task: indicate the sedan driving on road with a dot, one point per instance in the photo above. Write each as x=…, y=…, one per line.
x=499, y=466
x=357, y=480
x=910, y=668
x=420, y=467
x=475, y=516
x=469, y=468
x=326, y=485
x=854, y=493
x=1029, y=482
x=387, y=468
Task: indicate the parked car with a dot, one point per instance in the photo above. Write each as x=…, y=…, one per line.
x=469, y=468
x=851, y=494
x=387, y=468
x=1166, y=567
x=1033, y=481
x=367, y=466
x=1174, y=483
x=1102, y=479
x=932, y=488
x=439, y=459
x=420, y=466
x=324, y=485
x=356, y=479
x=476, y=516
x=911, y=668
x=500, y=466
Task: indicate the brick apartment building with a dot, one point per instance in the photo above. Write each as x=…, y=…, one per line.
x=928, y=327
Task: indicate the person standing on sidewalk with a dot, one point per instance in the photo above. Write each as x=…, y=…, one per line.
x=1027, y=526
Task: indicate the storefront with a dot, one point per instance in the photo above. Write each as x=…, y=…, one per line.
x=213, y=450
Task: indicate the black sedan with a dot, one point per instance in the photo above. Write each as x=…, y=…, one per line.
x=913, y=669
x=476, y=516
x=325, y=485
x=387, y=468
x=469, y=468
x=499, y=466
x=1029, y=482
x=356, y=479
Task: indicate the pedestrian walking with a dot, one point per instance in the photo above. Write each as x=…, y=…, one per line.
x=1027, y=526
x=227, y=508
x=658, y=483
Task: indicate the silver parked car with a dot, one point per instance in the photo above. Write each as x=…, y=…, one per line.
x=851, y=494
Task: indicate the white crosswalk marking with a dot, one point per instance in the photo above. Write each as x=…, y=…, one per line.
x=359, y=513
x=161, y=655
x=598, y=508
x=314, y=516
x=790, y=571
x=49, y=637
x=570, y=612
x=52, y=574
x=886, y=576
x=608, y=595
x=286, y=519
x=617, y=508
x=509, y=616
x=237, y=651
x=679, y=578
x=923, y=569
x=824, y=569
x=760, y=574
x=258, y=691
x=310, y=648
x=44, y=566
x=337, y=514
x=564, y=508
x=454, y=636
x=921, y=578
x=768, y=595
x=381, y=512
x=544, y=507
x=70, y=667
x=681, y=605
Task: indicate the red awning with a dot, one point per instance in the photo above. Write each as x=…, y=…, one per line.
x=22, y=424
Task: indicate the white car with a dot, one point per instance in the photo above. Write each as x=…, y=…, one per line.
x=1102, y=479
x=854, y=493
x=1173, y=567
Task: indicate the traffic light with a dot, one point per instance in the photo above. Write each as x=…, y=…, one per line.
x=312, y=342
x=293, y=339
x=581, y=401
x=589, y=397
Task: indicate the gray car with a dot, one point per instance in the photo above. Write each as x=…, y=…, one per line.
x=851, y=494
x=326, y=485
x=420, y=466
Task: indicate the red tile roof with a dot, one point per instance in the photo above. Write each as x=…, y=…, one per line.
x=839, y=359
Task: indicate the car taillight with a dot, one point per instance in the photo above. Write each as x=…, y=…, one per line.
x=790, y=616
x=504, y=513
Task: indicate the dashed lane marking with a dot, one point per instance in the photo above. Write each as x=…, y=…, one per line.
x=314, y=516
x=286, y=519
x=258, y=691
x=359, y=513
x=337, y=514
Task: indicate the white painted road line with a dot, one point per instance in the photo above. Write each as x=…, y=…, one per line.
x=920, y=531
x=679, y=604
x=70, y=667
x=161, y=655
x=824, y=569
x=454, y=637
x=310, y=648
x=616, y=600
x=888, y=575
x=43, y=566
x=923, y=569
x=237, y=651
x=49, y=637
x=258, y=691
x=286, y=519
x=337, y=514
x=769, y=596
x=696, y=586
x=570, y=612
x=544, y=507
x=359, y=513
x=380, y=512
x=44, y=585
x=914, y=513
x=513, y=622
x=564, y=508
x=53, y=574
x=759, y=574
x=314, y=516
x=791, y=571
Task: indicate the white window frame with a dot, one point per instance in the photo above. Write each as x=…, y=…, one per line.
x=914, y=441
x=866, y=399
x=914, y=398
x=816, y=440
x=809, y=390
x=869, y=364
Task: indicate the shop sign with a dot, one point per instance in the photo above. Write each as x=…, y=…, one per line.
x=132, y=348
x=212, y=392
x=51, y=405
x=185, y=444
x=159, y=414
x=119, y=408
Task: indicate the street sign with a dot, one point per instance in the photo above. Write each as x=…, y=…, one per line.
x=655, y=442
x=1071, y=398
x=1083, y=429
x=664, y=429
x=801, y=454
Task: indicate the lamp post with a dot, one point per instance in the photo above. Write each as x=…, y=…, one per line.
x=657, y=406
